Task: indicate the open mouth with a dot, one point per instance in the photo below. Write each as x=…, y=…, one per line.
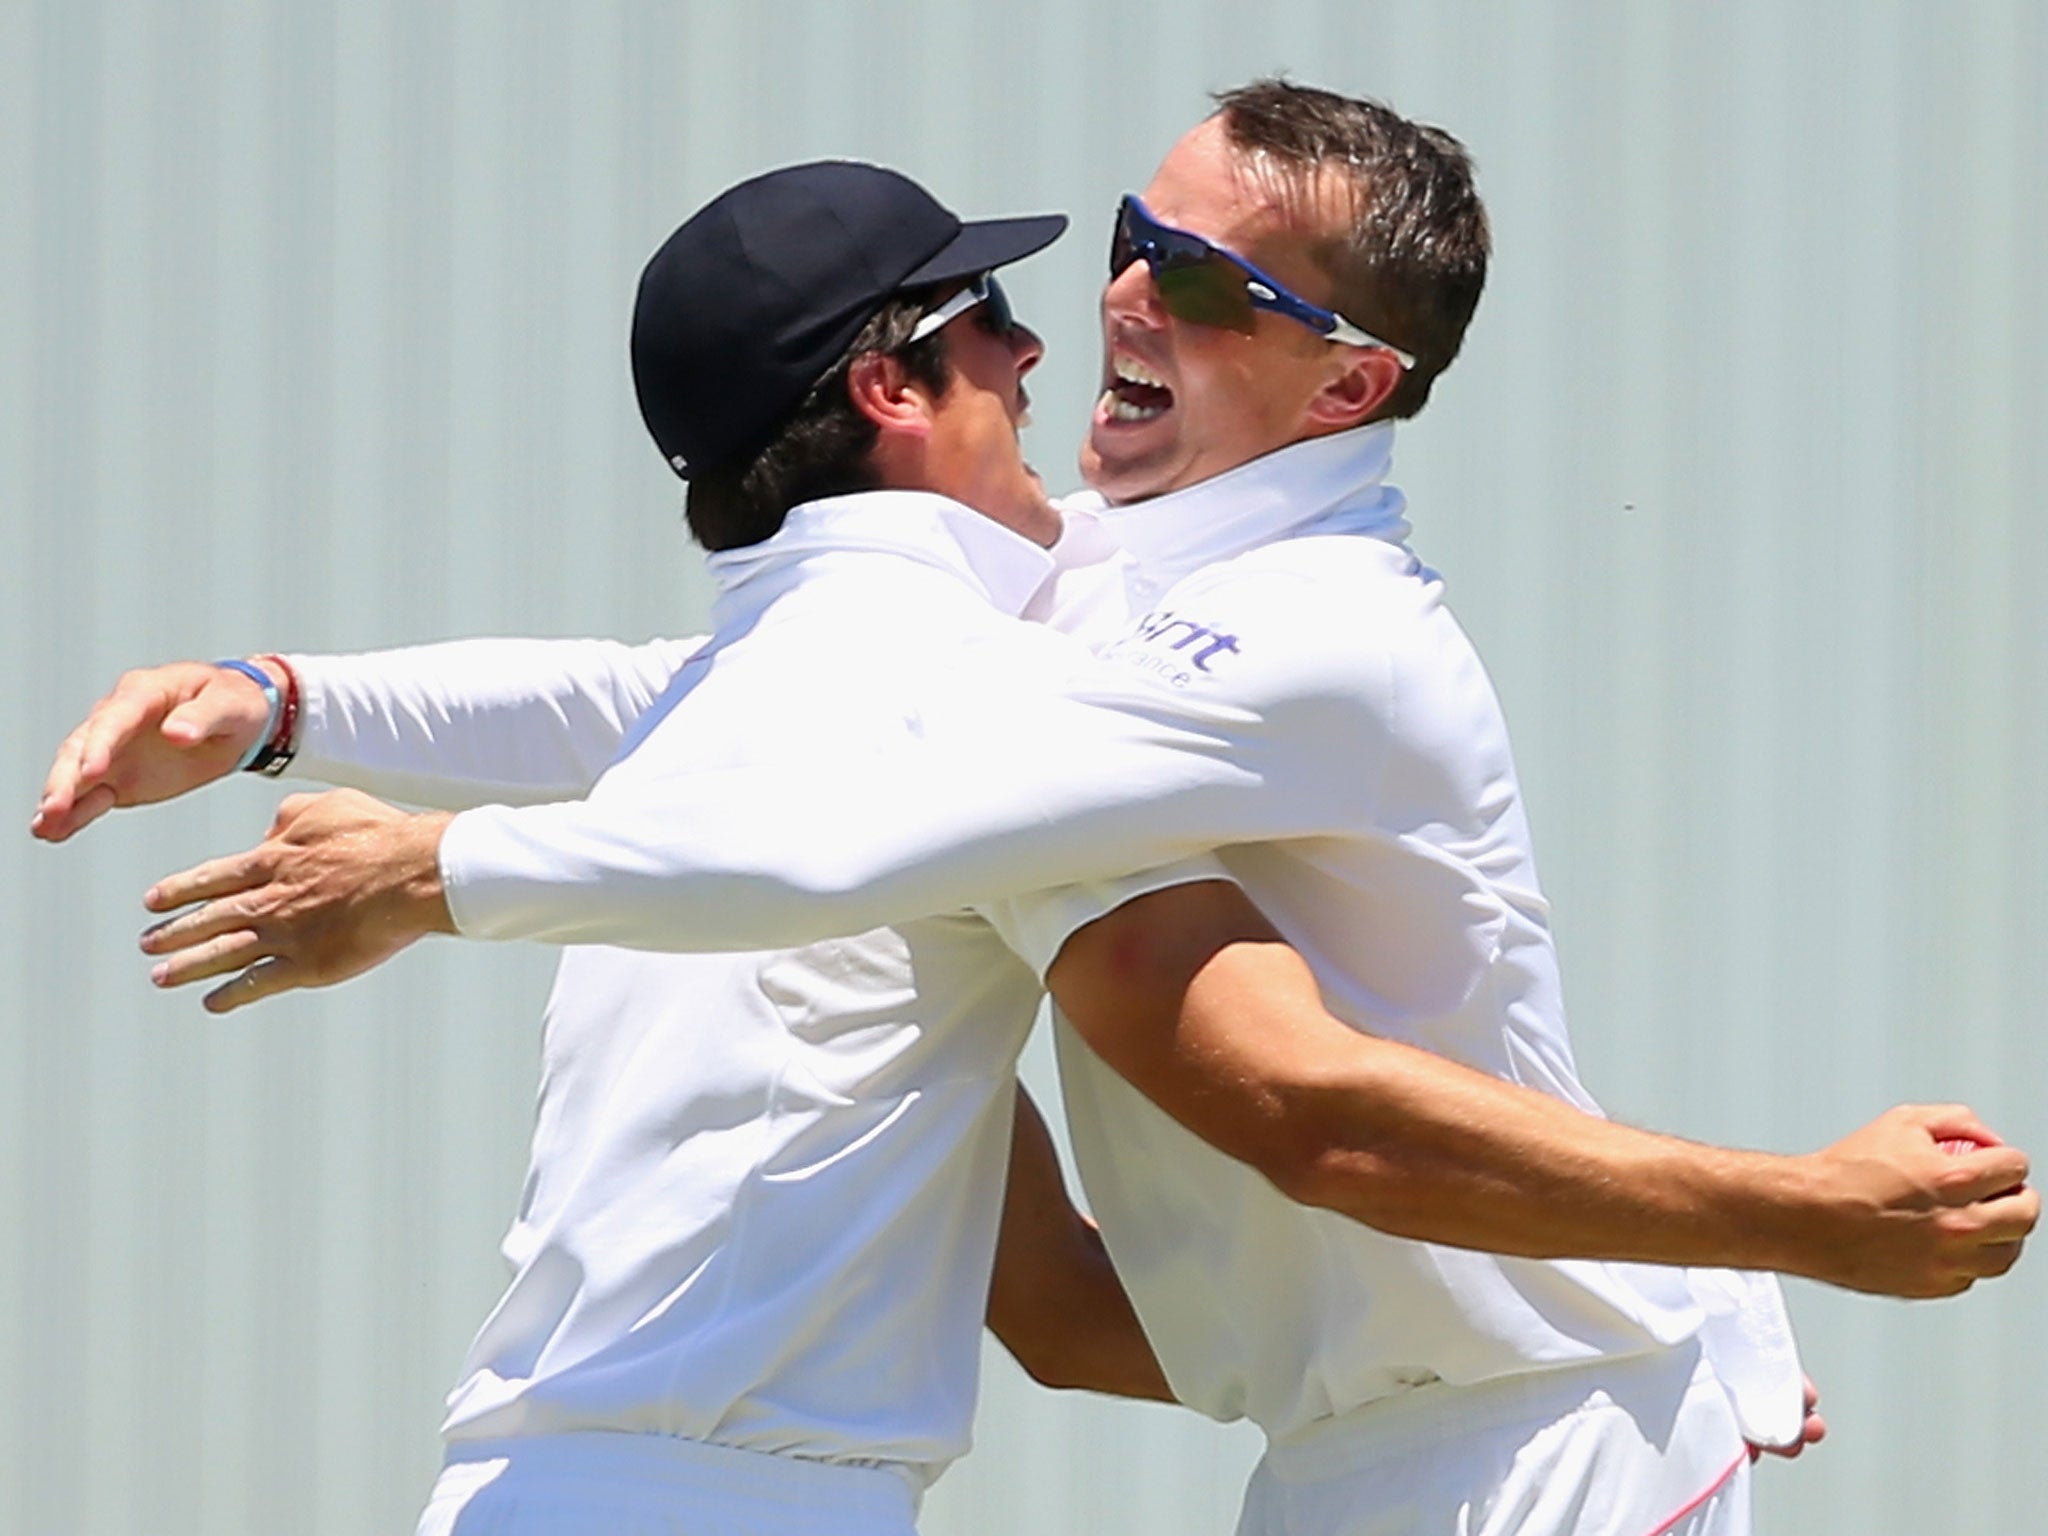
x=1135, y=392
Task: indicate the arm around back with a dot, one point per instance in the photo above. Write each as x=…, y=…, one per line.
x=1054, y=1299
x=1191, y=995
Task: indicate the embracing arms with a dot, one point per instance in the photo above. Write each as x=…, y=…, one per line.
x=1190, y=995
x=1387, y=1134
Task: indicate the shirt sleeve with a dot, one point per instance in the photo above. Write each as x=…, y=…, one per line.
x=1038, y=924
x=475, y=722
x=1748, y=1339
x=1258, y=717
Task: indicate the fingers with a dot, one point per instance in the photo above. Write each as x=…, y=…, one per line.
x=1812, y=1429
x=222, y=913
x=1811, y=1432
x=2008, y=1217
x=63, y=775
x=1950, y=1122
x=213, y=940
x=92, y=805
x=1991, y=1239
x=215, y=956
x=1984, y=1173
x=217, y=933
x=204, y=882
x=1994, y=1259
x=117, y=720
x=55, y=817
x=266, y=978
x=53, y=823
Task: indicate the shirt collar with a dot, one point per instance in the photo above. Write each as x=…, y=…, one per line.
x=1003, y=566
x=1332, y=484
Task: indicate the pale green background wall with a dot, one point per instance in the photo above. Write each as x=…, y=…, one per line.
x=311, y=335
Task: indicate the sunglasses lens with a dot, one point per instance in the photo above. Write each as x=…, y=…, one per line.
x=1123, y=249
x=1196, y=282
x=996, y=315
x=1208, y=291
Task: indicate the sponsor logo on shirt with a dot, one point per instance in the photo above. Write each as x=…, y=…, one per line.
x=1173, y=648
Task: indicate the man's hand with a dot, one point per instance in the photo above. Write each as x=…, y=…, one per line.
x=1904, y=1217
x=162, y=731
x=342, y=883
x=1812, y=1430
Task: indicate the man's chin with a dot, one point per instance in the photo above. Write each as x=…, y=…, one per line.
x=1122, y=470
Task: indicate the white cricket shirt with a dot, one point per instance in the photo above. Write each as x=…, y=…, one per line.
x=764, y=1187
x=1292, y=680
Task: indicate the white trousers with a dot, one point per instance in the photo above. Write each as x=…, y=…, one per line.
x=657, y=1485
x=1640, y=1447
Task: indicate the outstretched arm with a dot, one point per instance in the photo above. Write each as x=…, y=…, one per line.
x=467, y=722
x=1191, y=996
x=479, y=722
x=1119, y=771
x=1059, y=790
x=1054, y=1300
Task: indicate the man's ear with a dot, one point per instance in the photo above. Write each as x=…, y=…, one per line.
x=883, y=390
x=1360, y=387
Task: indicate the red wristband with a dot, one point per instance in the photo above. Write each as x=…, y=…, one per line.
x=284, y=741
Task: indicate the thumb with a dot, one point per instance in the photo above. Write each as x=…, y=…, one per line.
x=200, y=719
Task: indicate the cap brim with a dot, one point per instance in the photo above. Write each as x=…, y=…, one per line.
x=986, y=244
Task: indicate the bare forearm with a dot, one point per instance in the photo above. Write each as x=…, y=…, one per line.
x=1416, y=1146
x=1188, y=994
x=1421, y=1147
x=1055, y=1300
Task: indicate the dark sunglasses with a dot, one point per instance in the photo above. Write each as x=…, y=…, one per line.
x=996, y=317
x=1204, y=284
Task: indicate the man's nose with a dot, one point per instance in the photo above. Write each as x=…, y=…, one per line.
x=1132, y=292
x=1026, y=346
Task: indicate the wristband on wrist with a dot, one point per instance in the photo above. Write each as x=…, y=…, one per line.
x=281, y=741
x=271, y=697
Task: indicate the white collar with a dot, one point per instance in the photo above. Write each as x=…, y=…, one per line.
x=1333, y=484
x=1003, y=566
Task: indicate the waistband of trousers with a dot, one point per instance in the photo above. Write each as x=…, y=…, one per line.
x=1389, y=1428
x=878, y=1491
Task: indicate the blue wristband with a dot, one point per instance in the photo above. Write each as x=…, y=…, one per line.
x=271, y=696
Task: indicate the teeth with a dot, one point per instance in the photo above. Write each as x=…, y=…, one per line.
x=1130, y=371
x=1116, y=408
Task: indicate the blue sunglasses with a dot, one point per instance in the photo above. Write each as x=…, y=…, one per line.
x=1204, y=284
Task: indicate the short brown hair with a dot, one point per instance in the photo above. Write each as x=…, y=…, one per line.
x=823, y=449
x=1412, y=262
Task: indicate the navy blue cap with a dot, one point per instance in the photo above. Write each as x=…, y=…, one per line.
x=750, y=302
